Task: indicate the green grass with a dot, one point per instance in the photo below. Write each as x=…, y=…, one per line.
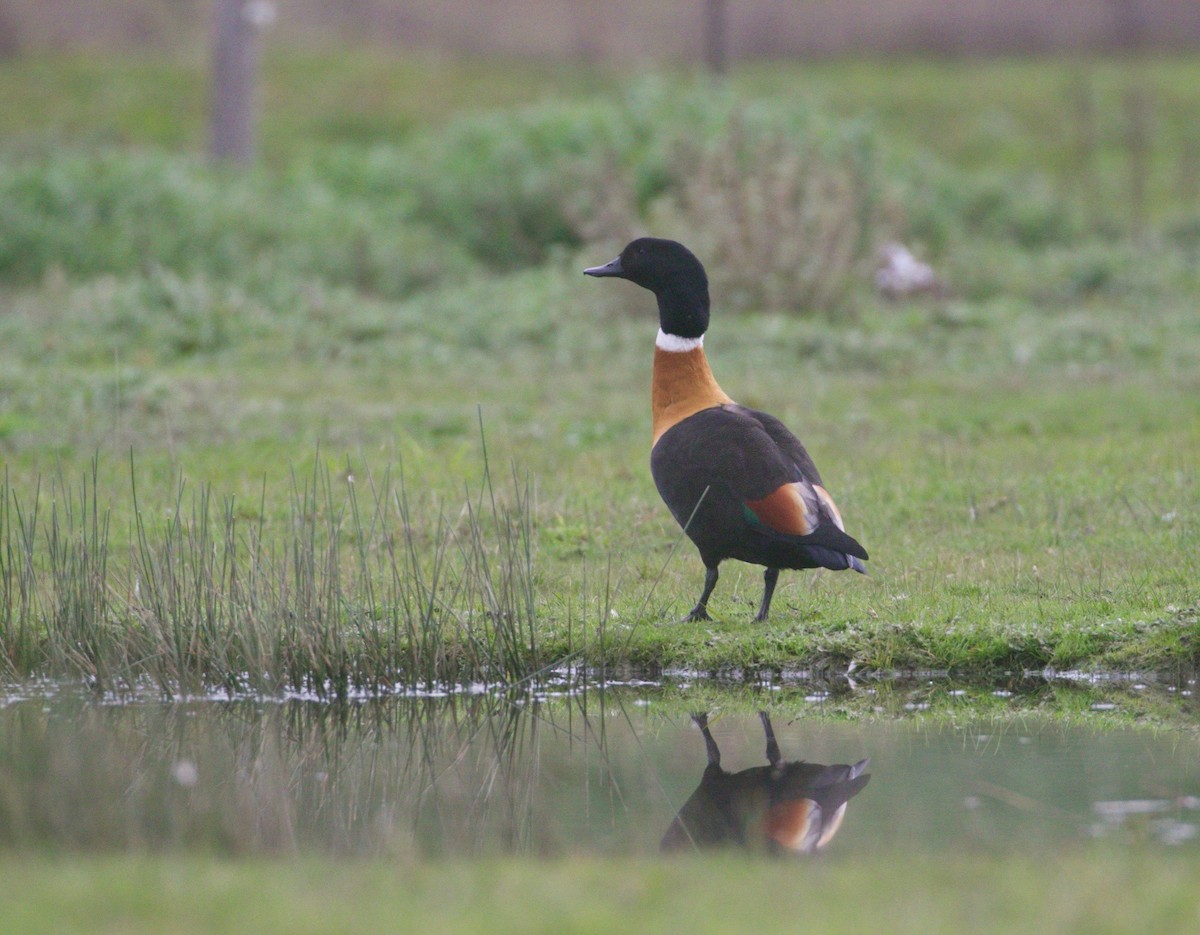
x=309, y=98
x=1011, y=525
x=1089, y=891
x=1018, y=457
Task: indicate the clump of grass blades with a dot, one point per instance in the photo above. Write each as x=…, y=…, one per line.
x=356, y=594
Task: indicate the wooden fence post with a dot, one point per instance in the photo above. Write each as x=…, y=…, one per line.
x=234, y=91
x=716, y=36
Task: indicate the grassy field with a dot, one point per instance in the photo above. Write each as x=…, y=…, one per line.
x=1087, y=892
x=289, y=368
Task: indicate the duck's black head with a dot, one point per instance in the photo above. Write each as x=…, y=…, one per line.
x=671, y=271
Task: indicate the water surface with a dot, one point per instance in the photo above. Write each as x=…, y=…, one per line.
x=598, y=772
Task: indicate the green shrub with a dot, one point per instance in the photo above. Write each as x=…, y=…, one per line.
x=785, y=204
x=797, y=189
x=119, y=212
x=784, y=221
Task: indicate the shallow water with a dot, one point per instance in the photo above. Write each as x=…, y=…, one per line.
x=601, y=772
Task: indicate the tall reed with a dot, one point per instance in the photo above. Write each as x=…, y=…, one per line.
x=360, y=591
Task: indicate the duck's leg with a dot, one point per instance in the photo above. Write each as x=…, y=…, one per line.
x=770, y=576
x=700, y=611
x=710, y=745
x=773, y=754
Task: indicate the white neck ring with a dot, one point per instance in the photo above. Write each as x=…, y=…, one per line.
x=675, y=344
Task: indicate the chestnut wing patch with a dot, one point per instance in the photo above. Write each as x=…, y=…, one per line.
x=786, y=510
x=794, y=825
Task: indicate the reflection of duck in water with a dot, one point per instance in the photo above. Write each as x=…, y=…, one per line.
x=786, y=806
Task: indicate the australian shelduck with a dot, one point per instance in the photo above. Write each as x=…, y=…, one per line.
x=739, y=483
x=786, y=806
